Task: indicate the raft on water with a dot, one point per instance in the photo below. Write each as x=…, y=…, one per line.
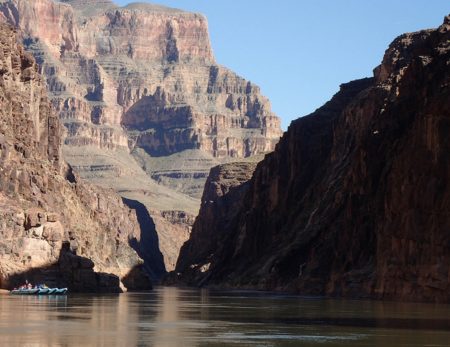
x=40, y=291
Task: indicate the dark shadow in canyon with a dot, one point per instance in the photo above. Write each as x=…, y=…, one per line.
x=163, y=129
x=77, y=274
x=147, y=247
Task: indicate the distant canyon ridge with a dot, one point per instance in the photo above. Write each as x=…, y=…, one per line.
x=146, y=109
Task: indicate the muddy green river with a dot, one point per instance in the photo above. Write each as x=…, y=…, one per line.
x=169, y=317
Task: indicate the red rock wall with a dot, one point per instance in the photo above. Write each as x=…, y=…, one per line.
x=49, y=220
x=142, y=80
x=354, y=201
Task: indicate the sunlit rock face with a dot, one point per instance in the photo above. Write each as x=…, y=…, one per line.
x=53, y=227
x=148, y=68
x=136, y=85
x=354, y=200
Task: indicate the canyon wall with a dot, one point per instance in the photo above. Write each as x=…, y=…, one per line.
x=355, y=199
x=137, y=88
x=146, y=67
x=53, y=227
x=224, y=189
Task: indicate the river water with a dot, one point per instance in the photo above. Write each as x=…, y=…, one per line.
x=169, y=317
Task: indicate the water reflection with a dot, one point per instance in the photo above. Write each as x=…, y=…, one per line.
x=171, y=328
x=170, y=317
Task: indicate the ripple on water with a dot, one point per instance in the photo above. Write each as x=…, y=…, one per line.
x=169, y=317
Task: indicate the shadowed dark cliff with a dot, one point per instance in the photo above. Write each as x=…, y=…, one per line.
x=224, y=188
x=355, y=200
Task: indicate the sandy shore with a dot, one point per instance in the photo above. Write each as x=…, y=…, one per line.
x=4, y=291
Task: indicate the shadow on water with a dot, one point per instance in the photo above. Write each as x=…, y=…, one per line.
x=77, y=274
x=148, y=245
x=172, y=317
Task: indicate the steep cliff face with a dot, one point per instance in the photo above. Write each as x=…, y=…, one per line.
x=139, y=83
x=147, y=67
x=53, y=227
x=224, y=189
x=355, y=199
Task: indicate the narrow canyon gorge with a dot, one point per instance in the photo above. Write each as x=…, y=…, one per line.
x=129, y=156
x=146, y=109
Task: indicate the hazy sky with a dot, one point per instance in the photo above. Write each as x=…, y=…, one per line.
x=300, y=51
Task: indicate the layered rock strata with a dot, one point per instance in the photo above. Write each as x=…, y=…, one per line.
x=53, y=227
x=141, y=82
x=148, y=68
x=355, y=199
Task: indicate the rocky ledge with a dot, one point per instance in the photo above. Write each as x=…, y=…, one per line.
x=53, y=227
